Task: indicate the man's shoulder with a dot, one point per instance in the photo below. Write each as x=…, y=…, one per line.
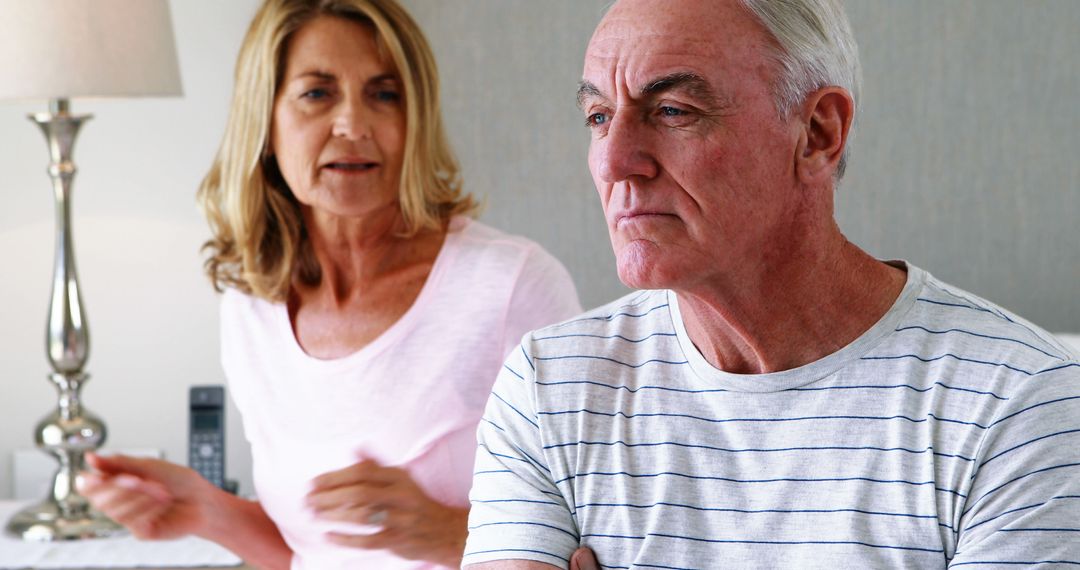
x=950, y=324
x=625, y=313
x=635, y=327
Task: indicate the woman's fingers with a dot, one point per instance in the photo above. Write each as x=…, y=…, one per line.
x=154, y=499
x=362, y=493
x=413, y=525
x=340, y=497
x=121, y=496
x=368, y=515
x=358, y=496
x=97, y=462
x=367, y=472
x=114, y=464
x=150, y=488
x=351, y=475
x=136, y=511
x=111, y=500
x=88, y=482
x=380, y=540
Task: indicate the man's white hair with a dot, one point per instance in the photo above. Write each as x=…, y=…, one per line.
x=817, y=49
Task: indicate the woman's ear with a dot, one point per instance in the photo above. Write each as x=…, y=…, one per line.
x=826, y=121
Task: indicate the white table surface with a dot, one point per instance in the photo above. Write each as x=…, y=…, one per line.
x=124, y=552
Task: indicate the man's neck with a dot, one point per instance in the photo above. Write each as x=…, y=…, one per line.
x=792, y=314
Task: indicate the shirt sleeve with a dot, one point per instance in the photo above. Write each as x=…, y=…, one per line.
x=543, y=294
x=233, y=351
x=517, y=510
x=1023, y=508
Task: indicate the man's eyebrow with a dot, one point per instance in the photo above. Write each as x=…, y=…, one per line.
x=586, y=90
x=692, y=83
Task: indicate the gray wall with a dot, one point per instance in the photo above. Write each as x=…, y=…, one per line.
x=965, y=163
x=510, y=70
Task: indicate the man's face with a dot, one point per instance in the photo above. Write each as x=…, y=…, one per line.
x=694, y=167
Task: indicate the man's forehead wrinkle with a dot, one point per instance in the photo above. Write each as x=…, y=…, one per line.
x=653, y=43
x=722, y=30
x=644, y=44
x=648, y=79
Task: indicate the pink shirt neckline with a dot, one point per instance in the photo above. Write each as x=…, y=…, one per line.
x=400, y=327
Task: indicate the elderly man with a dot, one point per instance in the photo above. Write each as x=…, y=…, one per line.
x=774, y=397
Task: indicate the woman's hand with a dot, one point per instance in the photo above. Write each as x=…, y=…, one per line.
x=414, y=526
x=154, y=499
x=160, y=500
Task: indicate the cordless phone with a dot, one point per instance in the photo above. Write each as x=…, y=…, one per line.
x=206, y=441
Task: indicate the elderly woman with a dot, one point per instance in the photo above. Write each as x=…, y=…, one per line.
x=364, y=317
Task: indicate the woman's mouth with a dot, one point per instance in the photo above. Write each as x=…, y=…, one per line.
x=351, y=166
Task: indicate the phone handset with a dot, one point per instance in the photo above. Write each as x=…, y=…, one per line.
x=206, y=433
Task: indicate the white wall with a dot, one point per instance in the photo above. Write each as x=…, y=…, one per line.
x=966, y=164
x=151, y=314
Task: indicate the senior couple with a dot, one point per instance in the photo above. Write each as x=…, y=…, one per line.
x=771, y=397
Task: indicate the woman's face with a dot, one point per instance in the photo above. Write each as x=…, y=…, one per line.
x=338, y=129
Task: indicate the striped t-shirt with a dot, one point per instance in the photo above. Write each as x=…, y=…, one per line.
x=947, y=435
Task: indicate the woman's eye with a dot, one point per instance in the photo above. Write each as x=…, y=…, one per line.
x=315, y=94
x=388, y=96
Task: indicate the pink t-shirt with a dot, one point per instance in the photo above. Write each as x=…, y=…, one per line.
x=412, y=398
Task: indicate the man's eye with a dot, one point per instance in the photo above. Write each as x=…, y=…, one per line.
x=595, y=120
x=671, y=112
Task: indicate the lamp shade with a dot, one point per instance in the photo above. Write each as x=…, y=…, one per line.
x=58, y=49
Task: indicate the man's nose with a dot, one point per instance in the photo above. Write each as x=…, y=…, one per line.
x=352, y=120
x=624, y=151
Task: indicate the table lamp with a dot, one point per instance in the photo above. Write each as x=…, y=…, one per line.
x=56, y=50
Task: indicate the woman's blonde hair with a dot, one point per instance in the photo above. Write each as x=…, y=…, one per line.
x=259, y=241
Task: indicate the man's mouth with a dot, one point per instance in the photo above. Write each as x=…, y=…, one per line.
x=636, y=215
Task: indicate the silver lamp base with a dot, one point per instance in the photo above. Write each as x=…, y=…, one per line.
x=66, y=434
x=45, y=523
x=70, y=431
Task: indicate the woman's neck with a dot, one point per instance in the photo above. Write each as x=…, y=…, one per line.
x=354, y=252
x=370, y=276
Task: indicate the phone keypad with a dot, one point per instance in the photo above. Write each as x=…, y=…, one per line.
x=206, y=455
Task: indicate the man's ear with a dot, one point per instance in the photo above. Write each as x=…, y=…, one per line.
x=827, y=115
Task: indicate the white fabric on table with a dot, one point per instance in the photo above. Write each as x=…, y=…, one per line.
x=120, y=552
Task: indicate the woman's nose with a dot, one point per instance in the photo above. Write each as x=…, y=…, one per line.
x=351, y=120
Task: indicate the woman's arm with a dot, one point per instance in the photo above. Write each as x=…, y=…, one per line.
x=158, y=500
x=243, y=527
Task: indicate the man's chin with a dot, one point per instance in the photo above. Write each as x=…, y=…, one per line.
x=639, y=266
